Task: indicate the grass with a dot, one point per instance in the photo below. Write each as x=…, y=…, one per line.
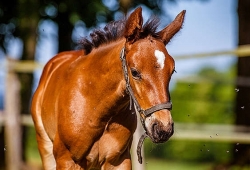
x=156, y=164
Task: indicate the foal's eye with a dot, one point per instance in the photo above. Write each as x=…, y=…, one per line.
x=136, y=74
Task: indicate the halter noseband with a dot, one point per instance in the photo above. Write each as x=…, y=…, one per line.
x=143, y=113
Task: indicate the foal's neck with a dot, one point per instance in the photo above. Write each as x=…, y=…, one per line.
x=106, y=58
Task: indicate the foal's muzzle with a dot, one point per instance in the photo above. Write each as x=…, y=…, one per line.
x=160, y=133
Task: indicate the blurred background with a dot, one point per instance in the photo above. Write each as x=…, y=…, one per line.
x=210, y=91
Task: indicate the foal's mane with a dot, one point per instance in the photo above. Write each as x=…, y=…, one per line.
x=113, y=31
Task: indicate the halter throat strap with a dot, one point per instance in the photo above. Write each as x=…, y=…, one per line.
x=143, y=113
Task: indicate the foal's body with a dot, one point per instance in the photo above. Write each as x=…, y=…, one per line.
x=81, y=108
x=105, y=136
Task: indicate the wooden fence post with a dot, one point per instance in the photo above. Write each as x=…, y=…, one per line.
x=12, y=120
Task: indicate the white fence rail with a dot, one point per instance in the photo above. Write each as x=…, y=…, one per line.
x=188, y=131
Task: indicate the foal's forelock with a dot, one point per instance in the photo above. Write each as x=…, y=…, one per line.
x=114, y=31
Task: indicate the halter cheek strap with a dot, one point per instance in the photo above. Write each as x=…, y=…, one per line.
x=143, y=113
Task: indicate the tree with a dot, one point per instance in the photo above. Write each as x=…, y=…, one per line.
x=242, y=110
x=68, y=12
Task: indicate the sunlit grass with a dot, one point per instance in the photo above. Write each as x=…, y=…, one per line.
x=156, y=164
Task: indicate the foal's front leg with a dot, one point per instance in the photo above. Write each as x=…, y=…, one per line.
x=122, y=163
x=63, y=157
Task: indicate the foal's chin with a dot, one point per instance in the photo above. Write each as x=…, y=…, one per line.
x=159, y=131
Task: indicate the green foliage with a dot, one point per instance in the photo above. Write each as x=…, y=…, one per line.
x=211, y=100
x=182, y=150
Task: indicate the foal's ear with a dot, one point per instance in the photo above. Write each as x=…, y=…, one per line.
x=169, y=31
x=133, y=26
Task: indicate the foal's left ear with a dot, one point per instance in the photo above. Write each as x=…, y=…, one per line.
x=133, y=26
x=169, y=31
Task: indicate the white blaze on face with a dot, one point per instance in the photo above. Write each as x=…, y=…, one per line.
x=160, y=58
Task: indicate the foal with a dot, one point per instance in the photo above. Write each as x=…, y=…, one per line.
x=81, y=108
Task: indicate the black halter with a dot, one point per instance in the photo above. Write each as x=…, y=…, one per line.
x=143, y=113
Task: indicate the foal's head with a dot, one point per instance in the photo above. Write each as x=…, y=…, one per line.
x=150, y=68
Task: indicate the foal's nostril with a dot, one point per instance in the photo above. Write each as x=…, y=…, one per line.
x=154, y=128
x=161, y=133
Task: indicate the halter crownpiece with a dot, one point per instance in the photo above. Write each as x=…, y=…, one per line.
x=143, y=113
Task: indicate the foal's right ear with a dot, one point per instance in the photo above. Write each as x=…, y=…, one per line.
x=133, y=26
x=168, y=32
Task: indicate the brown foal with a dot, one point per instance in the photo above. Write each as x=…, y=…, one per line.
x=81, y=108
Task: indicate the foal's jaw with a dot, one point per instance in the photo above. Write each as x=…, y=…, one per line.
x=160, y=126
